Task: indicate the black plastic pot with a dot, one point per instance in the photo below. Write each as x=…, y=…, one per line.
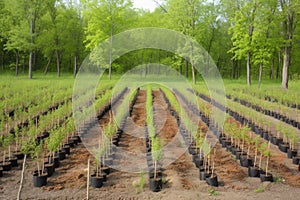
x=198, y=162
x=155, y=184
x=283, y=147
x=19, y=155
x=277, y=141
x=212, y=181
x=66, y=149
x=96, y=182
x=159, y=173
x=6, y=166
x=71, y=144
x=266, y=136
x=104, y=176
x=106, y=170
x=61, y=155
x=108, y=161
x=13, y=161
x=45, y=135
x=291, y=153
x=56, y=162
x=296, y=160
x=245, y=162
x=49, y=168
x=192, y=151
x=203, y=175
x=253, y=171
x=225, y=143
x=74, y=140
x=229, y=148
x=238, y=154
x=39, y=181
x=266, y=178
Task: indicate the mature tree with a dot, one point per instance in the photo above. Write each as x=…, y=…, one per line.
x=184, y=16
x=290, y=16
x=106, y=18
x=25, y=16
x=242, y=32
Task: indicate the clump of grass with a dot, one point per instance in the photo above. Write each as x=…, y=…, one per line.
x=259, y=190
x=213, y=192
x=139, y=186
x=278, y=179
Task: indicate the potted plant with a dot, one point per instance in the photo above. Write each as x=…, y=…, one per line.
x=39, y=176
x=253, y=171
x=156, y=181
x=12, y=159
x=212, y=180
x=244, y=156
x=292, y=151
x=6, y=164
x=97, y=178
x=18, y=139
x=53, y=144
x=266, y=176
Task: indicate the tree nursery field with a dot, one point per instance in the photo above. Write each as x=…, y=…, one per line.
x=149, y=99
x=255, y=154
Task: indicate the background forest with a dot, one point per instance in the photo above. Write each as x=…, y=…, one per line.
x=248, y=39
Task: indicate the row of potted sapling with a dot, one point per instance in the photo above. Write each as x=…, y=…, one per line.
x=202, y=154
x=104, y=155
x=290, y=100
x=240, y=142
x=153, y=147
x=285, y=138
x=109, y=139
x=275, y=110
x=48, y=153
x=16, y=141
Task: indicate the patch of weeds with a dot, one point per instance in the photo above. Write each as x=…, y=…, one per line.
x=278, y=179
x=259, y=190
x=139, y=186
x=213, y=192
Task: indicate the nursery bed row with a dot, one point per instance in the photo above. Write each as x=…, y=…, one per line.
x=278, y=159
x=288, y=116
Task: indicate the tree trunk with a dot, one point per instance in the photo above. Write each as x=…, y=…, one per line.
x=31, y=51
x=272, y=69
x=2, y=58
x=249, y=68
x=233, y=72
x=187, y=69
x=278, y=66
x=75, y=65
x=30, y=65
x=17, y=63
x=34, y=60
x=180, y=68
x=58, y=63
x=110, y=52
x=260, y=74
x=46, y=69
x=285, y=69
x=193, y=74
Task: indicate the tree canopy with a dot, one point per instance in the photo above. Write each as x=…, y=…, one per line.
x=247, y=39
